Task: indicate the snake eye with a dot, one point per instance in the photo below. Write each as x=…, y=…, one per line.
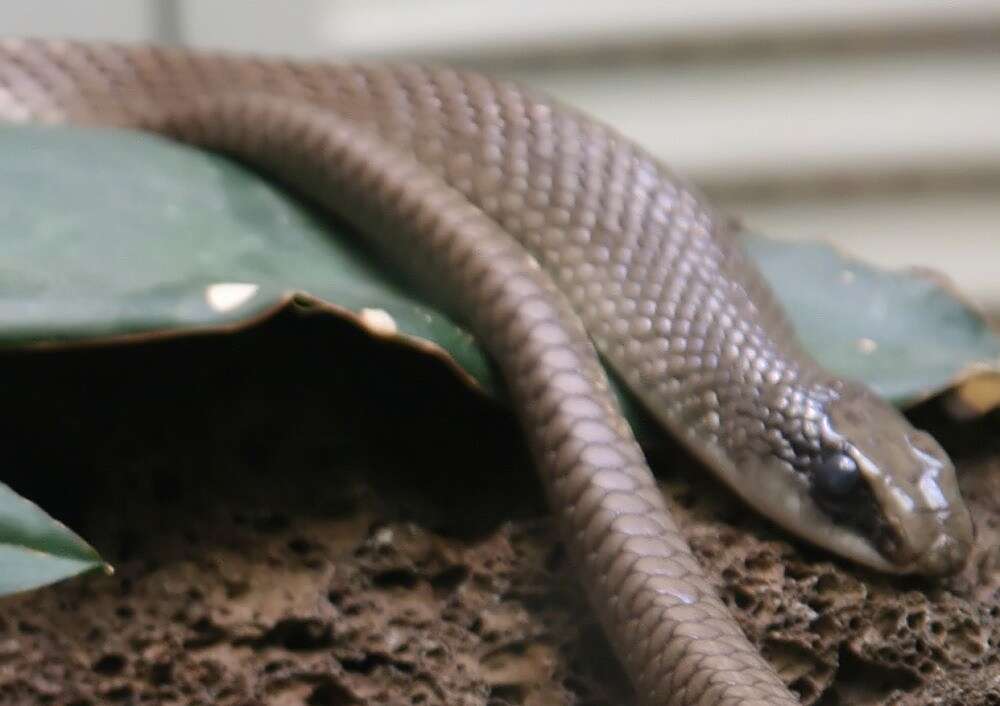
x=836, y=475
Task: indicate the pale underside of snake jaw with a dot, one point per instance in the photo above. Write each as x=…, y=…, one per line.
x=547, y=231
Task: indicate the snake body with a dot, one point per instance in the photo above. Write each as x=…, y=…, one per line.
x=557, y=240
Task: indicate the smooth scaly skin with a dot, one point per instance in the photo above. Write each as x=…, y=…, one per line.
x=469, y=184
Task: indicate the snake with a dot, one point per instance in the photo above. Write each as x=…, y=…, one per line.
x=565, y=247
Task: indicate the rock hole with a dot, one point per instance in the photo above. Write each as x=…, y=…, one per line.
x=743, y=599
x=300, y=634
x=395, y=578
x=804, y=688
x=26, y=628
x=121, y=693
x=110, y=665
x=161, y=673
x=450, y=579
x=330, y=693
x=759, y=562
x=506, y=694
x=915, y=621
x=828, y=583
x=371, y=661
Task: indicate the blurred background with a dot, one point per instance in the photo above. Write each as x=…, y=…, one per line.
x=874, y=125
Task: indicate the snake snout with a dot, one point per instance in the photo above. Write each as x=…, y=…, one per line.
x=949, y=547
x=947, y=555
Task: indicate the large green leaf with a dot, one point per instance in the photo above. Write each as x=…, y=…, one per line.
x=906, y=334
x=106, y=234
x=111, y=234
x=35, y=549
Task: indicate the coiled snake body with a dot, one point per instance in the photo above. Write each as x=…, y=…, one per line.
x=552, y=235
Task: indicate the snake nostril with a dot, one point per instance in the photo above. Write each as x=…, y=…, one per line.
x=947, y=555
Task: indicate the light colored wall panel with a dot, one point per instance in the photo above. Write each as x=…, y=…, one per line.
x=723, y=121
x=518, y=27
x=291, y=28
x=122, y=20
x=375, y=27
x=717, y=120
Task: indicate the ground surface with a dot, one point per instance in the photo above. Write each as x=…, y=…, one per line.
x=301, y=516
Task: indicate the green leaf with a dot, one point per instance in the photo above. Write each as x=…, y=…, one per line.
x=35, y=549
x=907, y=334
x=113, y=234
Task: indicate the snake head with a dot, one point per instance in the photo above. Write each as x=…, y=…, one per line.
x=888, y=485
x=846, y=471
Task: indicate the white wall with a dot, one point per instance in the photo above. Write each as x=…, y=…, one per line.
x=126, y=20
